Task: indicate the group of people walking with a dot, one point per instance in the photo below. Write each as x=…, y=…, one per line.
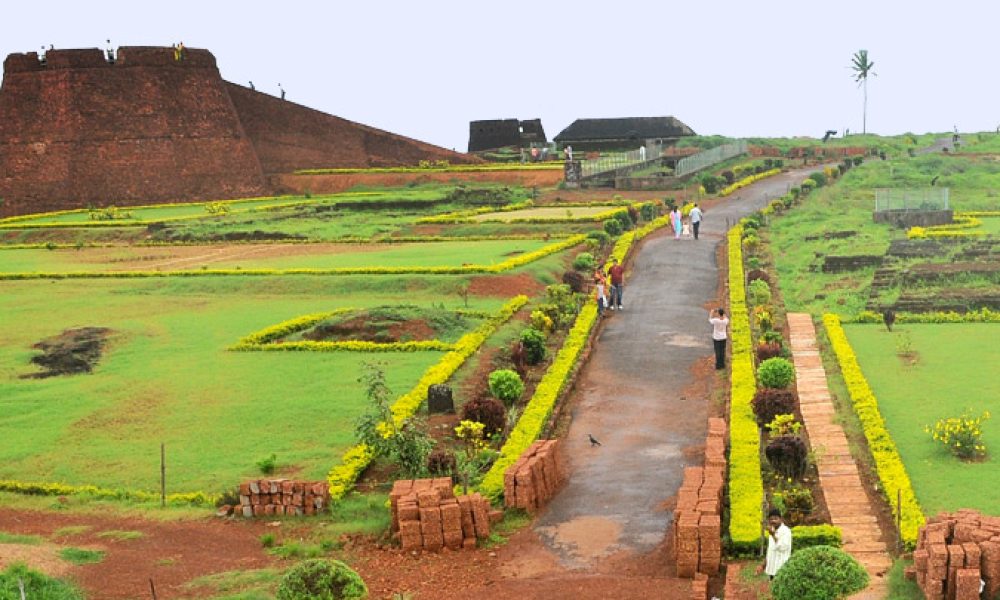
x=693, y=224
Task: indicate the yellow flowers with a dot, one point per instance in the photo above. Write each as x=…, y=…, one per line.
x=888, y=464
x=471, y=432
x=962, y=435
x=746, y=489
x=961, y=221
x=729, y=189
x=61, y=489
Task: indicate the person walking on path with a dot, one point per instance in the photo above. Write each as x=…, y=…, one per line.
x=779, y=543
x=599, y=283
x=617, y=273
x=676, y=222
x=695, y=216
x=719, y=323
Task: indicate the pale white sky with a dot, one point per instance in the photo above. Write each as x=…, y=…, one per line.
x=425, y=69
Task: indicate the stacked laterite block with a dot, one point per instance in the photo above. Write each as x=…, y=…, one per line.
x=955, y=551
x=427, y=516
x=698, y=515
x=536, y=476
x=283, y=497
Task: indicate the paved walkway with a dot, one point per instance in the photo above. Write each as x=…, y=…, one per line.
x=635, y=396
x=849, y=506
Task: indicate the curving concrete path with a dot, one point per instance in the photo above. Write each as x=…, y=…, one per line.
x=631, y=395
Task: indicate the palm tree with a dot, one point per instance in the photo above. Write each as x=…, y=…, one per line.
x=862, y=67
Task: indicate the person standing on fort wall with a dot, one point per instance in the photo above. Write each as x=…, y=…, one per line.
x=179, y=52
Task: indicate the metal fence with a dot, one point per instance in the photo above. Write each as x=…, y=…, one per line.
x=935, y=198
x=708, y=158
x=614, y=161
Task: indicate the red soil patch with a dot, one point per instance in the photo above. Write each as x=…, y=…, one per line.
x=505, y=286
x=333, y=183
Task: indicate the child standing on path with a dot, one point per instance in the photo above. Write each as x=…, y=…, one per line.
x=599, y=283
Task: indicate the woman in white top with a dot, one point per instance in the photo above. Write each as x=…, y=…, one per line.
x=719, y=323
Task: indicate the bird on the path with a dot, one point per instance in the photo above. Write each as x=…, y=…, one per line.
x=593, y=441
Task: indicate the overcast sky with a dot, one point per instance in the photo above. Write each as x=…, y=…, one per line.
x=425, y=69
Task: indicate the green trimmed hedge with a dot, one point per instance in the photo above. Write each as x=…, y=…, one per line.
x=806, y=536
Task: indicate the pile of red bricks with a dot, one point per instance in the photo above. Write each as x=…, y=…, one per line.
x=697, y=523
x=427, y=516
x=536, y=476
x=955, y=551
x=282, y=497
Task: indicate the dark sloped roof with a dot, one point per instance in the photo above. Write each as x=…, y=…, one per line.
x=624, y=128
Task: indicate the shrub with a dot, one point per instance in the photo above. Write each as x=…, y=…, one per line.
x=778, y=163
x=541, y=322
x=321, y=579
x=858, y=160
x=36, y=585
x=613, y=227
x=601, y=237
x=766, y=350
x=728, y=176
x=506, y=386
x=751, y=242
x=624, y=219
x=757, y=274
x=784, y=424
x=711, y=183
x=961, y=435
x=775, y=373
x=441, y=463
x=819, y=178
x=267, y=464
x=534, y=345
x=819, y=573
x=796, y=503
x=768, y=403
x=772, y=337
x=765, y=320
x=807, y=536
x=575, y=280
x=647, y=211
x=759, y=292
x=488, y=411
x=584, y=261
x=787, y=455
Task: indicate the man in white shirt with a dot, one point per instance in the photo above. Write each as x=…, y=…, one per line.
x=695, y=217
x=779, y=543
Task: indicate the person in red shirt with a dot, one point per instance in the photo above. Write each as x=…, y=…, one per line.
x=617, y=274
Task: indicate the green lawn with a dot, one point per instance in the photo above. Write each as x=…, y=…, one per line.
x=546, y=212
x=955, y=370
x=265, y=256
x=166, y=377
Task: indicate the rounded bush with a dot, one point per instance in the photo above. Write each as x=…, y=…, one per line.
x=506, y=386
x=584, y=261
x=575, y=280
x=819, y=573
x=647, y=211
x=624, y=219
x=601, y=237
x=441, y=463
x=321, y=579
x=759, y=291
x=768, y=403
x=534, y=345
x=488, y=411
x=775, y=373
x=613, y=227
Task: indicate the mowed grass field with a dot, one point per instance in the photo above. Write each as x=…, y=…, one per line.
x=166, y=376
x=265, y=256
x=954, y=369
x=545, y=212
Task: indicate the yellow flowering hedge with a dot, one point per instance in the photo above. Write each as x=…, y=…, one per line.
x=983, y=315
x=546, y=166
x=888, y=464
x=357, y=458
x=511, y=263
x=746, y=489
x=61, y=489
x=465, y=216
x=956, y=229
x=742, y=183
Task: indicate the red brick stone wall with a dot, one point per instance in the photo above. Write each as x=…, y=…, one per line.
x=426, y=515
x=289, y=136
x=955, y=551
x=697, y=525
x=536, y=476
x=266, y=497
x=81, y=131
